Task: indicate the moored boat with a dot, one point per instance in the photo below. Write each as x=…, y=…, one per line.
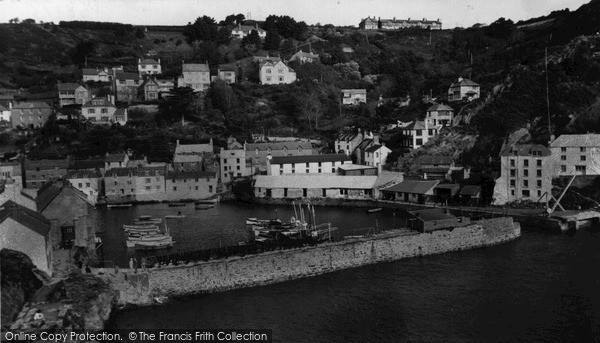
x=147, y=220
x=205, y=202
x=159, y=239
x=204, y=207
x=177, y=204
x=374, y=210
x=154, y=245
x=119, y=205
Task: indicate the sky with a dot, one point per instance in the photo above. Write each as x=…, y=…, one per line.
x=452, y=13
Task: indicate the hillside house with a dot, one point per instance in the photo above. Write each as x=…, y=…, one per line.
x=149, y=66
x=307, y=164
x=99, y=111
x=397, y=24
x=86, y=181
x=226, y=74
x=464, y=89
x=195, y=76
x=72, y=94
x=304, y=57
x=348, y=140
x=5, y=113
x=242, y=31
x=525, y=174
x=376, y=155
x=26, y=231
x=369, y=23
x=275, y=73
x=417, y=133
x=439, y=115
x=164, y=87
x=354, y=96
x=30, y=114
x=96, y=75
x=126, y=86
x=576, y=155
x=112, y=161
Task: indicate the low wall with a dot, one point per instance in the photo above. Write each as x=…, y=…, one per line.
x=282, y=265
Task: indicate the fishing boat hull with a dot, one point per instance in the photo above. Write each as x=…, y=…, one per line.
x=176, y=204
x=154, y=245
x=204, y=207
x=147, y=221
x=205, y=202
x=119, y=205
x=374, y=210
x=157, y=241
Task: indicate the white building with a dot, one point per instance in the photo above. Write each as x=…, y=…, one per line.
x=149, y=66
x=96, y=75
x=234, y=162
x=304, y=57
x=274, y=73
x=307, y=164
x=439, y=115
x=99, y=111
x=190, y=185
x=195, y=76
x=376, y=155
x=464, y=89
x=5, y=113
x=242, y=31
x=576, y=155
x=87, y=181
x=525, y=174
x=354, y=96
x=418, y=133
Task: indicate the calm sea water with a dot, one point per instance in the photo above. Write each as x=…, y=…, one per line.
x=541, y=287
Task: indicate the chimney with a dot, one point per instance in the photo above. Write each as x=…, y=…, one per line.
x=375, y=139
x=239, y=26
x=139, y=61
x=460, y=78
x=394, y=18
x=178, y=142
x=159, y=61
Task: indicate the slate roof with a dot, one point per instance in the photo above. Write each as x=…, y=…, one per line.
x=440, y=107
x=90, y=71
x=415, y=125
x=190, y=175
x=277, y=146
x=68, y=87
x=195, y=67
x=248, y=28
x=98, y=102
x=148, y=61
x=193, y=148
x=354, y=91
x=364, y=144
x=464, y=82
x=347, y=136
x=120, y=112
x=445, y=160
x=115, y=158
x=121, y=75
x=470, y=190
x=46, y=194
x=349, y=166
x=435, y=170
x=187, y=158
x=83, y=174
x=150, y=171
x=86, y=164
x=587, y=140
x=310, y=158
x=301, y=54
x=313, y=181
x=413, y=186
x=2, y=108
x=374, y=147
x=525, y=150
x=450, y=186
x=46, y=164
x=21, y=214
x=31, y=104
x=120, y=172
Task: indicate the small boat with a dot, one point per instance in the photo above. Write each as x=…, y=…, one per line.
x=158, y=241
x=205, y=202
x=139, y=227
x=142, y=232
x=204, y=207
x=118, y=205
x=147, y=220
x=161, y=299
x=177, y=204
x=262, y=222
x=154, y=245
x=373, y=210
x=175, y=216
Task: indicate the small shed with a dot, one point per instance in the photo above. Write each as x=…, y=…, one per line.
x=410, y=191
x=446, y=192
x=470, y=194
x=435, y=219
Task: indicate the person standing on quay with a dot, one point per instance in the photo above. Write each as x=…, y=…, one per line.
x=131, y=263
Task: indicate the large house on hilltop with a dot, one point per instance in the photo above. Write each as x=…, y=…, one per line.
x=354, y=96
x=102, y=111
x=195, y=76
x=464, y=89
x=242, y=31
x=439, y=114
x=274, y=73
x=395, y=24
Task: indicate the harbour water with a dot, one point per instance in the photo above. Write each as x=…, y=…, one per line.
x=541, y=287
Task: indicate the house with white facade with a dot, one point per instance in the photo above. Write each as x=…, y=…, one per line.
x=307, y=164
x=417, y=133
x=149, y=66
x=195, y=76
x=347, y=141
x=376, y=155
x=96, y=75
x=226, y=74
x=99, y=111
x=275, y=73
x=439, y=115
x=5, y=113
x=576, y=155
x=112, y=161
x=86, y=181
x=464, y=89
x=242, y=31
x=354, y=96
x=234, y=162
x=304, y=57
x=190, y=185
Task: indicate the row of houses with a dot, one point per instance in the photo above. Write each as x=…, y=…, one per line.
x=396, y=24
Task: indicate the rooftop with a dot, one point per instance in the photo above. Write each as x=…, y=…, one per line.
x=115, y=157
x=31, y=219
x=470, y=190
x=278, y=146
x=525, y=150
x=445, y=160
x=31, y=104
x=68, y=87
x=439, y=107
x=46, y=164
x=431, y=214
x=413, y=186
x=190, y=175
x=310, y=158
x=354, y=91
x=313, y=181
x=464, y=82
x=195, y=67
x=98, y=102
x=587, y=140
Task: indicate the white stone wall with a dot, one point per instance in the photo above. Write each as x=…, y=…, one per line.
x=15, y=236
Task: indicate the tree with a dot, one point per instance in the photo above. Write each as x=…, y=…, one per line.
x=82, y=49
x=234, y=19
x=286, y=26
x=139, y=33
x=13, y=21
x=272, y=40
x=252, y=39
x=206, y=29
x=183, y=104
x=28, y=21
x=223, y=98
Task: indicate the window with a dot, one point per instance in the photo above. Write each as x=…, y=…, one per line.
x=526, y=163
x=563, y=157
x=174, y=188
x=281, y=79
x=525, y=193
x=563, y=149
x=513, y=172
x=582, y=158
x=563, y=168
x=539, y=193
x=512, y=162
x=268, y=78
x=419, y=141
x=104, y=110
x=196, y=187
x=238, y=168
x=148, y=180
x=538, y=162
x=87, y=184
x=324, y=193
x=268, y=70
x=210, y=189
x=512, y=192
x=91, y=111
x=307, y=171
x=419, y=132
x=580, y=169
x=80, y=185
x=539, y=183
x=148, y=188
x=512, y=183
x=333, y=170
x=525, y=172
x=525, y=183
x=237, y=160
x=539, y=173
x=304, y=192
x=582, y=149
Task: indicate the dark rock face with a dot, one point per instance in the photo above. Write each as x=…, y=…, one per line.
x=18, y=282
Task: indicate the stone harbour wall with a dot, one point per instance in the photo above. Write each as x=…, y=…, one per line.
x=282, y=265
